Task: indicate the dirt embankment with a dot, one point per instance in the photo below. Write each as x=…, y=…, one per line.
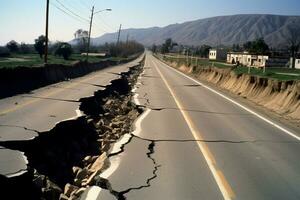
x=24, y=79
x=281, y=97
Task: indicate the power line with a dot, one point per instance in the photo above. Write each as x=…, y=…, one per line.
x=78, y=10
x=47, y=32
x=72, y=11
x=85, y=4
x=100, y=27
x=107, y=25
x=110, y=28
x=79, y=6
x=62, y=10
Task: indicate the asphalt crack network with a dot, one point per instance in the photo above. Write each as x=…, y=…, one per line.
x=105, y=184
x=122, y=148
x=215, y=141
x=22, y=127
x=190, y=110
x=120, y=195
x=85, y=83
x=61, y=87
x=53, y=99
x=149, y=76
x=114, y=73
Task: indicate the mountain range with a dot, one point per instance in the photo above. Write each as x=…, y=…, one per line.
x=225, y=30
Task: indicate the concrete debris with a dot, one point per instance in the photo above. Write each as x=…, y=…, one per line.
x=69, y=189
x=76, y=170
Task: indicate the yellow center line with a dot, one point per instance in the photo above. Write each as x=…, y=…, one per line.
x=56, y=91
x=219, y=177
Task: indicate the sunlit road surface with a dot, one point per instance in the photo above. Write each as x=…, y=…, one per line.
x=194, y=143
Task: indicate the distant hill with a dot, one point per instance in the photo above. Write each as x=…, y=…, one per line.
x=213, y=31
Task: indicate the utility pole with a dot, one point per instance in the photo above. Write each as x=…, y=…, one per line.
x=90, y=31
x=127, y=40
x=119, y=34
x=47, y=40
x=89, y=39
x=187, y=57
x=192, y=59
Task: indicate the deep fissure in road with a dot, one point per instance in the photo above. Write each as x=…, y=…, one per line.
x=65, y=160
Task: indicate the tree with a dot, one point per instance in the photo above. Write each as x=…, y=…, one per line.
x=164, y=49
x=247, y=46
x=260, y=46
x=24, y=48
x=12, y=46
x=293, y=41
x=81, y=37
x=203, y=51
x=154, y=48
x=4, y=52
x=40, y=44
x=64, y=49
x=167, y=46
x=168, y=42
x=257, y=46
x=81, y=33
x=124, y=49
x=237, y=48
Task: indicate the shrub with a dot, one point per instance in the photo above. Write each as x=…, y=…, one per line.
x=13, y=46
x=39, y=45
x=4, y=52
x=64, y=49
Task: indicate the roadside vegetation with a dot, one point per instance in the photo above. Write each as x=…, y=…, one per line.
x=34, y=60
x=274, y=73
x=31, y=55
x=200, y=63
x=195, y=61
x=197, y=57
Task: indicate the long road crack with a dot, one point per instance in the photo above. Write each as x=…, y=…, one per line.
x=85, y=83
x=22, y=127
x=215, y=141
x=192, y=110
x=121, y=195
x=53, y=99
x=105, y=184
x=122, y=148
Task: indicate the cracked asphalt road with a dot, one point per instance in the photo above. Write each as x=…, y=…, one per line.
x=203, y=147
x=24, y=116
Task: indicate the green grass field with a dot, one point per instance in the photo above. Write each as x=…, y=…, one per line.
x=198, y=62
x=34, y=60
x=274, y=73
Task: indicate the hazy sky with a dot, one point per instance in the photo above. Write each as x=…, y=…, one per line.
x=24, y=20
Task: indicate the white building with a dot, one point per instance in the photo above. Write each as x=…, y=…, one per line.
x=297, y=63
x=247, y=59
x=217, y=54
